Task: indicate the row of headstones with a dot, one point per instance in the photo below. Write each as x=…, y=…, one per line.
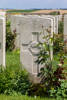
x=31, y=29
x=15, y=25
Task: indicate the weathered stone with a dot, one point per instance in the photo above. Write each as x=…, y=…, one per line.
x=65, y=32
x=16, y=20
x=32, y=31
x=2, y=38
x=15, y=26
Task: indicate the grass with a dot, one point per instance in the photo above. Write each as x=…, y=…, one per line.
x=13, y=60
x=5, y=97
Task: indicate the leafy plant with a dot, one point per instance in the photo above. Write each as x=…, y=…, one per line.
x=60, y=27
x=14, y=81
x=51, y=73
x=60, y=92
x=10, y=38
x=37, y=90
x=58, y=43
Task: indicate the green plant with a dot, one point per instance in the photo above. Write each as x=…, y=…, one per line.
x=52, y=72
x=60, y=91
x=37, y=90
x=60, y=27
x=10, y=38
x=14, y=80
x=58, y=43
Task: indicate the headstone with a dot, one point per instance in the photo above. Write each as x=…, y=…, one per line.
x=60, y=17
x=32, y=30
x=15, y=24
x=65, y=32
x=55, y=20
x=2, y=38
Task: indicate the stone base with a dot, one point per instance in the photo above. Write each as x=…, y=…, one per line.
x=34, y=78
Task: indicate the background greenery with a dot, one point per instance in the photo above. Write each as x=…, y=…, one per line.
x=21, y=11
x=10, y=38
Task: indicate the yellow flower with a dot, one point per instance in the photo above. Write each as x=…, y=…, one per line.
x=52, y=88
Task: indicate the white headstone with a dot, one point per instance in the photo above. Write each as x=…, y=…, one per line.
x=32, y=29
x=15, y=25
x=2, y=38
x=65, y=32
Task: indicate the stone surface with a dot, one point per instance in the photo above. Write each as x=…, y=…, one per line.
x=16, y=20
x=55, y=20
x=32, y=31
x=15, y=26
x=2, y=38
x=65, y=32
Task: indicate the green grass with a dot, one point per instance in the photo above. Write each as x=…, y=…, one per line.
x=13, y=60
x=5, y=97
